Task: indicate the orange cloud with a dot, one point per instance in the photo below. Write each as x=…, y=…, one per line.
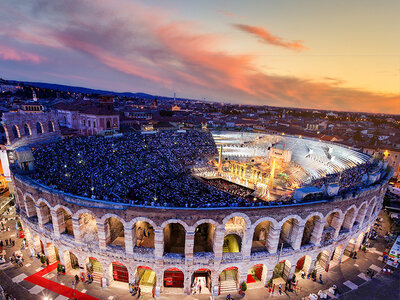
x=8, y=53
x=267, y=38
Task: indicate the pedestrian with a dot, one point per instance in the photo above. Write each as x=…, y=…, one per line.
x=320, y=278
x=77, y=278
x=1, y=244
x=200, y=289
x=139, y=291
x=280, y=289
x=13, y=243
x=10, y=241
x=6, y=242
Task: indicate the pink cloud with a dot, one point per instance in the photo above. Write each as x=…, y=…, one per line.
x=267, y=38
x=142, y=42
x=8, y=53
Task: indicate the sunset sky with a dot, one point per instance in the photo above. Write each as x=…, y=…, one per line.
x=340, y=55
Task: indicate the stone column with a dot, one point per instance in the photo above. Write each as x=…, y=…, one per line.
x=128, y=240
x=215, y=283
x=247, y=243
x=291, y=271
x=297, y=236
x=187, y=283
x=58, y=223
x=158, y=243
x=312, y=267
x=273, y=240
x=66, y=261
x=218, y=242
x=40, y=217
x=242, y=276
x=101, y=232
x=159, y=282
x=316, y=234
x=337, y=224
x=76, y=229
x=189, y=246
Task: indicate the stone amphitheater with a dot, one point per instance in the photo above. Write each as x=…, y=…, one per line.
x=172, y=248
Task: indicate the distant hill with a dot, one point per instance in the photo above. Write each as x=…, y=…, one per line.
x=78, y=89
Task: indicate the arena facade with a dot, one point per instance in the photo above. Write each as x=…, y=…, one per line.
x=166, y=248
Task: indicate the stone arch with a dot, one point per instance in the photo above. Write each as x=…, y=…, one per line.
x=229, y=279
x=77, y=214
x=87, y=227
x=322, y=262
x=20, y=199
x=237, y=224
x=71, y=261
x=44, y=213
x=50, y=126
x=333, y=222
x=114, y=230
x=202, y=277
x=118, y=271
x=30, y=208
x=282, y=270
x=304, y=264
x=204, y=237
x=16, y=132
x=39, y=128
x=27, y=129
x=337, y=254
x=263, y=238
x=290, y=235
x=361, y=213
x=94, y=267
x=175, y=221
x=64, y=220
x=174, y=236
x=311, y=229
x=237, y=214
x=3, y=134
x=52, y=253
x=257, y=273
x=143, y=232
x=349, y=219
x=146, y=278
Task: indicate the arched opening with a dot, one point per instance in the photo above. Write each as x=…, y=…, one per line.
x=361, y=214
x=114, y=230
x=45, y=215
x=322, y=262
x=336, y=256
x=174, y=238
x=204, y=238
x=236, y=225
x=120, y=272
x=374, y=210
x=27, y=130
x=331, y=225
x=20, y=201
x=88, y=229
x=39, y=128
x=309, y=230
x=71, y=263
x=30, y=208
x=52, y=253
x=146, y=278
x=108, y=124
x=289, y=233
x=64, y=220
x=229, y=280
x=261, y=237
x=281, y=272
x=232, y=243
x=15, y=132
x=94, y=267
x=304, y=264
x=51, y=126
x=143, y=235
x=174, y=278
x=348, y=221
x=256, y=275
x=201, y=281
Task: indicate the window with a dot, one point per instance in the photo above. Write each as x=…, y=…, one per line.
x=88, y=123
x=94, y=124
x=108, y=124
x=51, y=126
x=26, y=129
x=39, y=128
x=84, y=122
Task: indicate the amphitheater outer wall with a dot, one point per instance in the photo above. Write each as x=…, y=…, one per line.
x=357, y=212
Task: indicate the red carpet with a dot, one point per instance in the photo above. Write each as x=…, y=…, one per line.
x=38, y=279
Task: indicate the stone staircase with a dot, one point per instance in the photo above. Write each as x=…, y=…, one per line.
x=228, y=283
x=97, y=271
